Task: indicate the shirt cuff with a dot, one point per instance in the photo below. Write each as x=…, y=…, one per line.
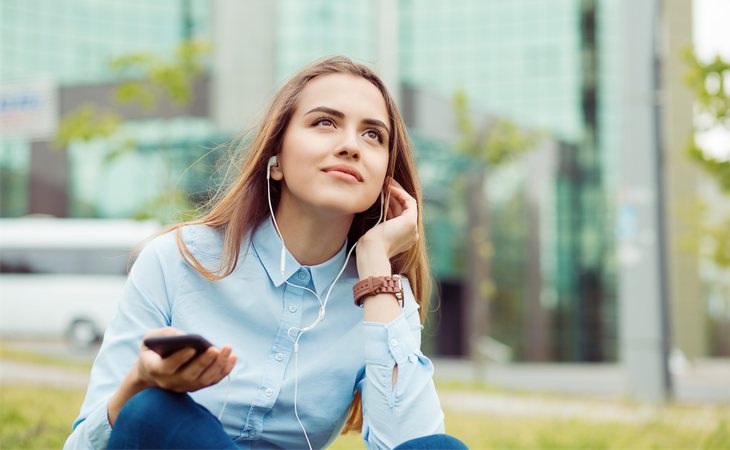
x=388, y=342
x=97, y=427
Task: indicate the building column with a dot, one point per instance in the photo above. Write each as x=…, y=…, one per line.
x=244, y=61
x=689, y=330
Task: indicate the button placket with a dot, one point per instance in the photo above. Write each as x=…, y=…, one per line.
x=276, y=364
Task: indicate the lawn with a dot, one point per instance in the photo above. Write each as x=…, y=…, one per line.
x=33, y=417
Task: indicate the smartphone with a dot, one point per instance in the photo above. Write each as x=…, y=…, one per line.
x=167, y=345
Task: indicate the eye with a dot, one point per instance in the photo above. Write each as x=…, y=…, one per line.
x=374, y=134
x=324, y=121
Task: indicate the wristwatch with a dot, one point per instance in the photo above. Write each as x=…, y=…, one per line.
x=378, y=285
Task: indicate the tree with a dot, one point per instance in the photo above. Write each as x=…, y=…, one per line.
x=149, y=80
x=491, y=144
x=709, y=82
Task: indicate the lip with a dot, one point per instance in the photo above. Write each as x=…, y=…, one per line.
x=349, y=172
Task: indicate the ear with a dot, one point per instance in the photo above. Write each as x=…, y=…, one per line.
x=276, y=173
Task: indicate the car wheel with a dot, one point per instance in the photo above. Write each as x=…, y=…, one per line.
x=83, y=334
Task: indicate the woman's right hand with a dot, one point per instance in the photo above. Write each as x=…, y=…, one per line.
x=172, y=373
x=177, y=372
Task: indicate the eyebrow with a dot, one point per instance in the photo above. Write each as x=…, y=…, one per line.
x=341, y=115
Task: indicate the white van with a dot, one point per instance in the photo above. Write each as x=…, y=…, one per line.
x=64, y=277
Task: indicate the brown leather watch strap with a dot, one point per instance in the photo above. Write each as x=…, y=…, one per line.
x=391, y=284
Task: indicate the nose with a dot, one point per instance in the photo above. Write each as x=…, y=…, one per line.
x=349, y=147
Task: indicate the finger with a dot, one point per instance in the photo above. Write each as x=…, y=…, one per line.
x=157, y=367
x=398, y=191
x=178, y=359
x=225, y=371
x=197, y=366
x=401, y=202
x=406, y=200
x=391, y=208
x=231, y=363
x=397, y=196
x=393, y=181
x=213, y=373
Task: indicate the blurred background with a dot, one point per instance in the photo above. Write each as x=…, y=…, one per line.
x=574, y=155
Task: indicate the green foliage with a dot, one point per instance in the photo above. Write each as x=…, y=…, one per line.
x=171, y=206
x=148, y=74
x=496, y=143
x=85, y=124
x=719, y=170
x=719, y=235
x=708, y=83
x=500, y=141
x=149, y=79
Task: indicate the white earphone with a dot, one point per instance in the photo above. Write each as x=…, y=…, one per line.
x=274, y=161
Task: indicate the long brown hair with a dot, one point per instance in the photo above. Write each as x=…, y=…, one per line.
x=241, y=208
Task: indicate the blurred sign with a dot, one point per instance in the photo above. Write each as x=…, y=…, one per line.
x=28, y=110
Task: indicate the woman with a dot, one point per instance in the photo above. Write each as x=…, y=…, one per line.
x=267, y=270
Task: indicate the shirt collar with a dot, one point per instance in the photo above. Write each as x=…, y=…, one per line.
x=267, y=244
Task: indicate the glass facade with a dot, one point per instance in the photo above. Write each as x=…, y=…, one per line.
x=518, y=59
x=550, y=66
x=314, y=29
x=524, y=60
x=72, y=43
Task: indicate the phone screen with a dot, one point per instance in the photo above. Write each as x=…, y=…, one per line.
x=167, y=345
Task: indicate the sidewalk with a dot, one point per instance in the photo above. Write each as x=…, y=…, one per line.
x=705, y=382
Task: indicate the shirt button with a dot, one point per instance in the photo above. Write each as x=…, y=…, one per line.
x=302, y=274
x=279, y=357
x=412, y=358
x=292, y=308
x=394, y=342
x=269, y=392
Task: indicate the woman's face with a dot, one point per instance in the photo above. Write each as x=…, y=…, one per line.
x=334, y=155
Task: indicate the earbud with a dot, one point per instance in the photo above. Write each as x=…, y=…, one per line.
x=273, y=161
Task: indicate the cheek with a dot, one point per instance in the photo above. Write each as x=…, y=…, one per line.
x=379, y=173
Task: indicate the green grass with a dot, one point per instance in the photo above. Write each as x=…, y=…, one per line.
x=37, y=417
x=491, y=431
x=34, y=417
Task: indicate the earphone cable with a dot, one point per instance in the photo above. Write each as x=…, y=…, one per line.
x=322, y=304
x=296, y=388
x=225, y=402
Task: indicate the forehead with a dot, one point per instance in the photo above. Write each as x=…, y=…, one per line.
x=350, y=94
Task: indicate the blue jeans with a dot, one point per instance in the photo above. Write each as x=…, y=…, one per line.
x=156, y=418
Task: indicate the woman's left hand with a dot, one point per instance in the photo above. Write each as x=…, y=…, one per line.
x=399, y=231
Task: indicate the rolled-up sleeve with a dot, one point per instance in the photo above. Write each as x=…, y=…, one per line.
x=143, y=306
x=411, y=408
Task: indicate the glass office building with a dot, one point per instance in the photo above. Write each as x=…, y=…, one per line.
x=71, y=44
x=535, y=62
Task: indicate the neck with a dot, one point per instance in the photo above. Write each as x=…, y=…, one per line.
x=312, y=239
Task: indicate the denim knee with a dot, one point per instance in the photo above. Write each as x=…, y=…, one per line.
x=145, y=406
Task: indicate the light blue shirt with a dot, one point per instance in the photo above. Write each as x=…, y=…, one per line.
x=253, y=310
